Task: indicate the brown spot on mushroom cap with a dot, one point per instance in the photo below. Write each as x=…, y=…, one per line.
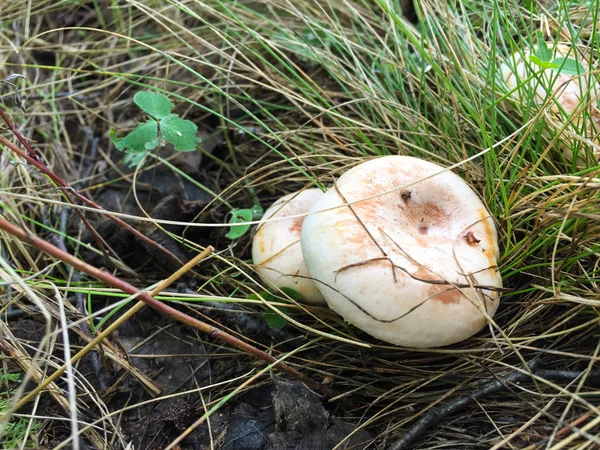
x=444, y=294
x=428, y=212
x=471, y=238
x=415, y=217
x=489, y=237
x=296, y=226
x=368, y=209
x=485, y=219
x=424, y=274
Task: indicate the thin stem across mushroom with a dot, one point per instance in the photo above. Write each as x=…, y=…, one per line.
x=415, y=268
x=276, y=250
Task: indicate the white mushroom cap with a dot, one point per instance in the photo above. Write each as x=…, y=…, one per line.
x=415, y=267
x=276, y=249
x=570, y=95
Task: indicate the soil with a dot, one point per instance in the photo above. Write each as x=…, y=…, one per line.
x=276, y=413
x=279, y=414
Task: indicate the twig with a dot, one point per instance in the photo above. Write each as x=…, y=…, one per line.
x=38, y=162
x=572, y=426
x=101, y=336
x=567, y=375
x=158, y=305
x=109, y=351
x=435, y=414
x=33, y=158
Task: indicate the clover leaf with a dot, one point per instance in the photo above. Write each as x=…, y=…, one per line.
x=541, y=63
x=156, y=105
x=162, y=125
x=237, y=216
x=542, y=51
x=179, y=132
x=142, y=138
x=568, y=66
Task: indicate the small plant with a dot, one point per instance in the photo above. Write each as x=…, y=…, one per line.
x=272, y=318
x=239, y=216
x=15, y=431
x=164, y=126
x=161, y=126
x=543, y=58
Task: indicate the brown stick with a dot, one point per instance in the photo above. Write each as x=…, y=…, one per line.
x=158, y=305
x=113, y=326
x=33, y=158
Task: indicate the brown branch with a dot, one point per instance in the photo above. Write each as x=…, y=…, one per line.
x=34, y=159
x=18, y=134
x=434, y=415
x=38, y=162
x=161, y=307
x=112, y=327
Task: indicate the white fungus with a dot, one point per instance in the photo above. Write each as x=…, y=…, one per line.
x=572, y=107
x=416, y=266
x=276, y=250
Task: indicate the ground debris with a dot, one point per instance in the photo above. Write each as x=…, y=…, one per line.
x=297, y=420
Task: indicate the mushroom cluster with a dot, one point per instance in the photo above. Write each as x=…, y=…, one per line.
x=572, y=106
x=276, y=250
x=403, y=250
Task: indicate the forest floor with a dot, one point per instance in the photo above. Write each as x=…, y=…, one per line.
x=285, y=96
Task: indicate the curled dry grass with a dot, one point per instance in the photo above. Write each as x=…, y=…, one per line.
x=298, y=92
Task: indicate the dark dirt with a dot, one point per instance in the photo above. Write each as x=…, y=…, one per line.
x=292, y=418
x=164, y=195
x=277, y=413
x=281, y=414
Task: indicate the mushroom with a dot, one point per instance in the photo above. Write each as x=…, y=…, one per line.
x=573, y=96
x=276, y=249
x=404, y=252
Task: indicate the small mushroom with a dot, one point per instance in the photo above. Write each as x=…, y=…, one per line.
x=400, y=268
x=574, y=97
x=276, y=249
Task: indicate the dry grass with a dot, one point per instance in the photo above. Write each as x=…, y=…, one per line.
x=295, y=93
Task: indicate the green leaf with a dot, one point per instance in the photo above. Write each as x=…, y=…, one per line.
x=237, y=216
x=543, y=64
x=542, y=51
x=274, y=320
x=179, y=132
x=294, y=295
x=257, y=211
x=13, y=377
x=266, y=295
x=568, y=66
x=156, y=105
x=151, y=145
x=138, y=138
x=132, y=160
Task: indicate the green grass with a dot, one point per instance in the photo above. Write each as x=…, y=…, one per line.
x=312, y=88
x=20, y=431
